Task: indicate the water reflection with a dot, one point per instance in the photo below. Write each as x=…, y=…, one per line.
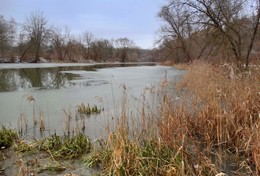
x=107, y=88
x=27, y=78
x=49, y=78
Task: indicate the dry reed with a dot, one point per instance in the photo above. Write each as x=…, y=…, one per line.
x=67, y=122
x=211, y=127
x=32, y=99
x=42, y=123
x=219, y=112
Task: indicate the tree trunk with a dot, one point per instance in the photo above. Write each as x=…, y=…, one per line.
x=253, y=37
x=37, y=53
x=25, y=52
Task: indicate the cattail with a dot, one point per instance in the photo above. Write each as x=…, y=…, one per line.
x=42, y=125
x=20, y=122
x=77, y=131
x=82, y=119
x=32, y=99
x=67, y=121
x=34, y=116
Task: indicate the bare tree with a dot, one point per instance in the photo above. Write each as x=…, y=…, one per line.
x=7, y=34
x=123, y=45
x=37, y=30
x=177, y=29
x=101, y=50
x=72, y=45
x=183, y=35
x=224, y=21
x=229, y=17
x=59, y=43
x=86, y=39
x=72, y=49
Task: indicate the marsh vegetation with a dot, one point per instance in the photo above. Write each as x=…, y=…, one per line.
x=209, y=128
x=206, y=125
x=199, y=117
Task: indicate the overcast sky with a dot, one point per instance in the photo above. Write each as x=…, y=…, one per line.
x=134, y=19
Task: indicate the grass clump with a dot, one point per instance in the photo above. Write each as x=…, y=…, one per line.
x=7, y=137
x=66, y=147
x=87, y=109
x=122, y=156
x=23, y=146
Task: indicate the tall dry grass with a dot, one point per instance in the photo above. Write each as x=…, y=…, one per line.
x=219, y=112
x=208, y=124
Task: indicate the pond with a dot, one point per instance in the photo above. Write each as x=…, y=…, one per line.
x=59, y=88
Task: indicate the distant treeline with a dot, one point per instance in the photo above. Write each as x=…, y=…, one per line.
x=215, y=30
x=36, y=39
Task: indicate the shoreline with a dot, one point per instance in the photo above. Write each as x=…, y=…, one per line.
x=181, y=142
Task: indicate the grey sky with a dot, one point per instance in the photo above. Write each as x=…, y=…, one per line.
x=135, y=19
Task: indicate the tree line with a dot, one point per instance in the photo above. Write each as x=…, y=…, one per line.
x=218, y=30
x=36, y=39
x=210, y=29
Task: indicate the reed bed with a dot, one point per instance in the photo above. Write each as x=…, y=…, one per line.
x=218, y=112
x=211, y=128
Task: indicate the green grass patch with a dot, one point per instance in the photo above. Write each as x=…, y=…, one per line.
x=7, y=137
x=59, y=147
x=66, y=147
